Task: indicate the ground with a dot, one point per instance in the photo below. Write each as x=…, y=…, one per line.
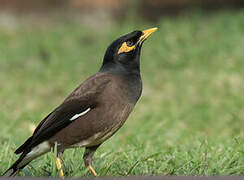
x=189, y=120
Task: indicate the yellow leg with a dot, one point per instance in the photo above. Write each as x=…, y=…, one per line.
x=59, y=167
x=92, y=170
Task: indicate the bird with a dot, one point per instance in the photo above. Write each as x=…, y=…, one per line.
x=94, y=111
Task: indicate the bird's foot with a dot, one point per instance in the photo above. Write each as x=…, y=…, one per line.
x=59, y=167
x=92, y=170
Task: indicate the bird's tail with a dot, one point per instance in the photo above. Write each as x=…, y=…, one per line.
x=27, y=156
x=11, y=172
x=14, y=169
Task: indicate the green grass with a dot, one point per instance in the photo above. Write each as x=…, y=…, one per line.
x=189, y=120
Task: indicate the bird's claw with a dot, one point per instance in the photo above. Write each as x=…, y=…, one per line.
x=92, y=170
x=59, y=167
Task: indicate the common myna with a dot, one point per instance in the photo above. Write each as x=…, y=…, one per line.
x=95, y=110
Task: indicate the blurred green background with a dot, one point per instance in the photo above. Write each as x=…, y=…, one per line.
x=189, y=120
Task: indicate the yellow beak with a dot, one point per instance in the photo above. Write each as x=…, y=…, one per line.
x=146, y=33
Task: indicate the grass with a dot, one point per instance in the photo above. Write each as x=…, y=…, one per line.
x=189, y=120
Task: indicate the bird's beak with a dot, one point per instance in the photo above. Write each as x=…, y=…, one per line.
x=146, y=34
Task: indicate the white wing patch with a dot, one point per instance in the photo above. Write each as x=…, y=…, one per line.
x=80, y=114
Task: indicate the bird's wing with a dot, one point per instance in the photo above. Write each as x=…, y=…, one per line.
x=80, y=100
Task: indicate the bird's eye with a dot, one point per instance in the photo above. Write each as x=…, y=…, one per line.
x=129, y=43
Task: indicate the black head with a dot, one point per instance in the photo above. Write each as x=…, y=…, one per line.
x=123, y=54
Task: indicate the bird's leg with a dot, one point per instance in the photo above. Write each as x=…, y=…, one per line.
x=87, y=157
x=59, y=164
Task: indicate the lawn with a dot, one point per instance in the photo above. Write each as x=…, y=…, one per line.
x=189, y=120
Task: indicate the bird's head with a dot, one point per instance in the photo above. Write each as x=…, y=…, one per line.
x=123, y=54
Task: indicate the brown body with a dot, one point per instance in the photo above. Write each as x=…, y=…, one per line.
x=111, y=109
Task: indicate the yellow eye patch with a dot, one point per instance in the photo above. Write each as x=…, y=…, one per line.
x=125, y=48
